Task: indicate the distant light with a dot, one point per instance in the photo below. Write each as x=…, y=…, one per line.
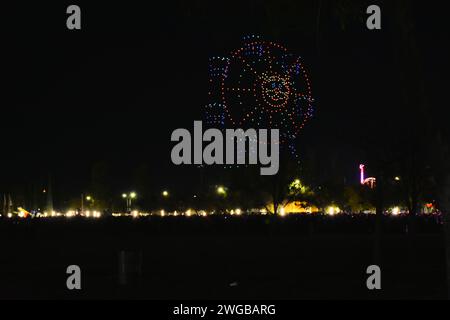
x=395, y=211
x=221, y=190
x=88, y=198
x=361, y=168
x=135, y=214
x=124, y=195
x=10, y=215
x=282, y=212
x=165, y=193
x=188, y=213
x=163, y=213
x=70, y=213
x=297, y=184
x=133, y=195
x=238, y=212
x=397, y=178
x=332, y=210
x=371, y=182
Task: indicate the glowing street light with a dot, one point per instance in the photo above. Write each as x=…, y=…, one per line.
x=221, y=190
x=90, y=201
x=165, y=193
x=128, y=198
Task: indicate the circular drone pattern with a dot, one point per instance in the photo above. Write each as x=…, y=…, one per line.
x=260, y=85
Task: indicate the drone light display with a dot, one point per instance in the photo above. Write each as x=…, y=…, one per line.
x=260, y=85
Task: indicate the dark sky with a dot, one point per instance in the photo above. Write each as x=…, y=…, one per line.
x=113, y=92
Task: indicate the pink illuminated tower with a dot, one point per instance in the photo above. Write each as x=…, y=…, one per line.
x=361, y=168
x=371, y=182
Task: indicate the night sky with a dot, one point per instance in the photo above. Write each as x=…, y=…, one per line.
x=110, y=95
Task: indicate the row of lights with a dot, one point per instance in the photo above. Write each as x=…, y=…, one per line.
x=331, y=211
x=55, y=214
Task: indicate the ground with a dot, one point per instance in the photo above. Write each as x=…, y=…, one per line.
x=217, y=258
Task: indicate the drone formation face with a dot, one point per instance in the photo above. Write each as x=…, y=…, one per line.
x=260, y=85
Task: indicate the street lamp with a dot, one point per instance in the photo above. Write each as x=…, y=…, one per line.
x=128, y=198
x=221, y=191
x=165, y=193
x=90, y=200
